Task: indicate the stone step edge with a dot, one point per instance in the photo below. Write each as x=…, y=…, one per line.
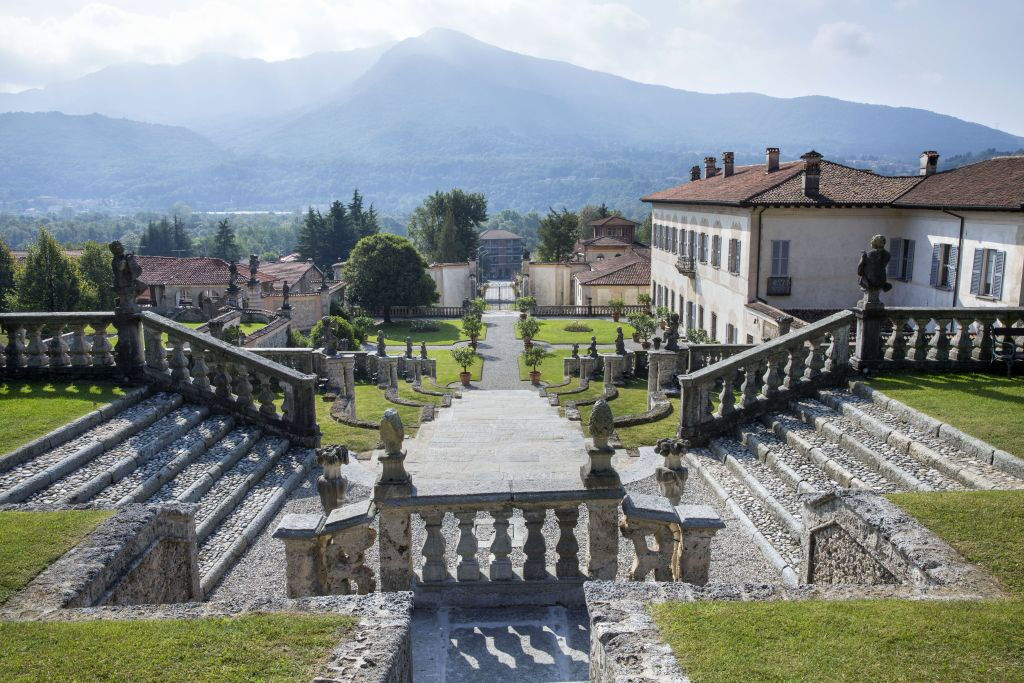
x=255, y=527
x=41, y=480
x=814, y=455
x=71, y=431
x=906, y=444
x=224, y=508
x=738, y=470
x=199, y=488
x=790, y=576
x=983, y=451
x=766, y=454
x=859, y=450
x=128, y=464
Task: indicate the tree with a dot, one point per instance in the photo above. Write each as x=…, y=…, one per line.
x=165, y=238
x=445, y=227
x=559, y=232
x=49, y=281
x=330, y=239
x=590, y=213
x=225, y=246
x=385, y=271
x=643, y=234
x=6, y=279
x=97, y=277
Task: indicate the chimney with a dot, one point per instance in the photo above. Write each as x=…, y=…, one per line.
x=929, y=163
x=727, y=164
x=709, y=167
x=771, y=159
x=812, y=173
x=695, y=173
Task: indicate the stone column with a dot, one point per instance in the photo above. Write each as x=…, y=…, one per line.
x=570, y=366
x=384, y=370
x=393, y=373
x=395, y=546
x=613, y=369
x=698, y=525
x=603, y=560
x=349, y=365
x=870, y=348
x=334, y=368
x=303, y=553
x=129, y=353
x=417, y=371
x=588, y=366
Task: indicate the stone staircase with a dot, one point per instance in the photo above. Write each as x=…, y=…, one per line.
x=160, y=449
x=831, y=440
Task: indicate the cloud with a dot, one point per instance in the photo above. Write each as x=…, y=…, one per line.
x=845, y=38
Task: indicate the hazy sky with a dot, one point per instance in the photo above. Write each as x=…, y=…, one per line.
x=953, y=56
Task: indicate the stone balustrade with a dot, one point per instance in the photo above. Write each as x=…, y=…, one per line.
x=702, y=355
x=58, y=344
x=765, y=377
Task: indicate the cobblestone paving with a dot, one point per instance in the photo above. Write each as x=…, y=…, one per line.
x=807, y=470
x=233, y=478
x=764, y=475
x=237, y=442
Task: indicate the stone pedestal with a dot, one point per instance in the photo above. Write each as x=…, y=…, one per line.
x=661, y=372
x=387, y=372
x=415, y=371
x=698, y=525
x=588, y=367
x=870, y=344
x=613, y=369
x=603, y=561
x=395, y=545
x=129, y=353
x=570, y=367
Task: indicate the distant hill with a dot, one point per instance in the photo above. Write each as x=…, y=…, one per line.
x=443, y=110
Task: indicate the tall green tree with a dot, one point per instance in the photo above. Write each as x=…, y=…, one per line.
x=643, y=233
x=166, y=238
x=225, y=246
x=384, y=271
x=445, y=227
x=329, y=239
x=559, y=231
x=590, y=213
x=97, y=277
x=6, y=278
x=49, y=281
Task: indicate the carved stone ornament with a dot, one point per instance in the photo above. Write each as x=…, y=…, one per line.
x=392, y=433
x=601, y=424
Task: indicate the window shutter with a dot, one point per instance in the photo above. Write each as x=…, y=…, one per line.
x=997, y=277
x=954, y=264
x=893, y=270
x=739, y=246
x=979, y=255
x=908, y=256
x=933, y=279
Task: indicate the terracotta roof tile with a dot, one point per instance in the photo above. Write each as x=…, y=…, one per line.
x=288, y=270
x=839, y=185
x=612, y=220
x=992, y=184
x=745, y=182
x=193, y=270
x=499, y=235
x=631, y=269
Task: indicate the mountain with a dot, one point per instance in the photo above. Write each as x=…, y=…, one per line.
x=444, y=110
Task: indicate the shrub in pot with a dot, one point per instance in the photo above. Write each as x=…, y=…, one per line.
x=662, y=312
x=471, y=327
x=532, y=357
x=524, y=304
x=644, y=326
x=465, y=357
x=616, y=305
x=528, y=329
x=644, y=300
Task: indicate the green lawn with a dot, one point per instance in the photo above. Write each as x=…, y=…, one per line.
x=551, y=367
x=649, y=434
x=249, y=328
x=32, y=409
x=450, y=332
x=278, y=647
x=406, y=391
x=989, y=407
x=869, y=640
x=552, y=330
x=370, y=405
x=448, y=371
x=356, y=439
x=31, y=541
x=632, y=399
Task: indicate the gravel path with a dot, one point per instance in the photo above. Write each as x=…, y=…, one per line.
x=501, y=352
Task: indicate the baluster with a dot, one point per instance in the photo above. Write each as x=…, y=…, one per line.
x=895, y=345
x=37, y=356
x=102, y=352
x=983, y=343
x=501, y=546
x=468, y=569
x=962, y=344
x=749, y=388
x=242, y=387
x=434, y=567
x=15, y=350
x=772, y=379
x=200, y=371
x=938, y=350
x=288, y=404
x=222, y=378
x=59, y=356
x=794, y=370
x=918, y=342
x=156, y=354
x=79, y=349
x=726, y=399
x=815, y=359
x=567, y=548
x=534, y=547
x=267, y=397
x=179, y=361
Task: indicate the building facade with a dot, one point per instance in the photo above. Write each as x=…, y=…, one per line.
x=501, y=254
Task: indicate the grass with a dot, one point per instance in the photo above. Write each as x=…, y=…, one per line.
x=279, y=647
x=370, y=405
x=406, y=391
x=31, y=541
x=448, y=371
x=632, y=399
x=356, y=439
x=449, y=332
x=552, y=330
x=249, y=328
x=32, y=409
x=551, y=367
x=989, y=407
x=866, y=640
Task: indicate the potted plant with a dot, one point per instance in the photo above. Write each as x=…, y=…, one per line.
x=644, y=326
x=644, y=300
x=471, y=326
x=524, y=304
x=478, y=306
x=464, y=356
x=533, y=357
x=528, y=329
x=662, y=312
x=616, y=304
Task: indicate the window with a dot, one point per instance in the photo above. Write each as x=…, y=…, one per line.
x=700, y=316
x=750, y=339
x=692, y=246
x=730, y=333
x=675, y=240
x=734, y=256
x=703, y=254
x=681, y=303
x=944, y=263
x=716, y=251
x=901, y=265
x=987, y=273
x=672, y=301
x=689, y=315
x=682, y=243
x=780, y=258
x=714, y=326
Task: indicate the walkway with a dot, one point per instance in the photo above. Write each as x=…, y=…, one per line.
x=501, y=352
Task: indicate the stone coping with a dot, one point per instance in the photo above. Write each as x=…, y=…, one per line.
x=660, y=509
x=377, y=649
x=501, y=491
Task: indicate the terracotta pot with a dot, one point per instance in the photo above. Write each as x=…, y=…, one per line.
x=663, y=325
x=636, y=337
x=464, y=378
x=535, y=377
x=645, y=345
x=615, y=317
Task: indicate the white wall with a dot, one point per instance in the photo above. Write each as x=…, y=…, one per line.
x=552, y=284
x=452, y=281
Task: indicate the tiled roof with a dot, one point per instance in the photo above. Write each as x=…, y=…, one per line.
x=992, y=184
x=289, y=271
x=839, y=185
x=631, y=269
x=193, y=270
x=605, y=242
x=499, y=235
x=745, y=182
x=612, y=220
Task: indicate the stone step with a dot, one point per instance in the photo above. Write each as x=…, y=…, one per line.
x=785, y=461
x=235, y=483
x=928, y=449
x=771, y=537
x=240, y=528
x=143, y=445
x=22, y=480
x=901, y=469
x=185, y=449
x=194, y=478
x=778, y=496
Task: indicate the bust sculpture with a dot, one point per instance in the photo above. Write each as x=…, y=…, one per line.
x=872, y=270
x=620, y=343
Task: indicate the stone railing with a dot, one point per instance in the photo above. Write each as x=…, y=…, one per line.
x=587, y=311
x=413, y=312
x=58, y=344
x=212, y=372
x=958, y=339
x=701, y=355
x=766, y=377
x=298, y=359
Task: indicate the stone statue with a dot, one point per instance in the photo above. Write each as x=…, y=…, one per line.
x=393, y=479
x=408, y=347
x=423, y=350
x=620, y=343
x=392, y=433
x=285, y=293
x=233, y=276
x=599, y=471
x=332, y=484
x=254, y=264
x=592, y=351
x=575, y=350
x=330, y=339
x=126, y=277
x=381, y=347
x=872, y=270
x=601, y=424
x=671, y=476
x=672, y=334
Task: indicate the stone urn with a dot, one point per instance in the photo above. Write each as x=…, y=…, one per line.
x=464, y=377
x=535, y=377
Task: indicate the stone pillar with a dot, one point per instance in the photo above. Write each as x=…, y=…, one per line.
x=570, y=366
x=334, y=369
x=417, y=371
x=662, y=372
x=698, y=525
x=613, y=365
x=348, y=364
x=129, y=353
x=588, y=367
x=303, y=550
x=393, y=373
x=870, y=348
x=395, y=546
x=385, y=366
x=603, y=560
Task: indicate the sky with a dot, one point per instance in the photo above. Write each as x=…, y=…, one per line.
x=954, y=57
